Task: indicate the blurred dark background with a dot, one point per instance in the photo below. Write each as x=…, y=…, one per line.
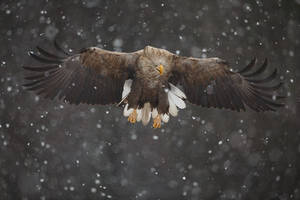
x=51, y=150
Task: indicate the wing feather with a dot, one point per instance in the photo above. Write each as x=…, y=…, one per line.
x=210, y=83
x=94, y=76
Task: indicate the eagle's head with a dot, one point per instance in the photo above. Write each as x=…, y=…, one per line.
x=156, y=61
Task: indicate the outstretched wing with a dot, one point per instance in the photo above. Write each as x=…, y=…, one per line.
x=94, y=76
x=210, y=83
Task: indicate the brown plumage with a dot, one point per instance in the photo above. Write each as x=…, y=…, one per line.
x=145, y=82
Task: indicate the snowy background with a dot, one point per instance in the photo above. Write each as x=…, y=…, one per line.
x=51, y=150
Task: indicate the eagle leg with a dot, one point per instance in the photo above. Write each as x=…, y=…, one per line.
x=157, y=122
x=132, y=117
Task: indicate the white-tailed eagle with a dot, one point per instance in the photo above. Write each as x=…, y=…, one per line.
x=146, y=82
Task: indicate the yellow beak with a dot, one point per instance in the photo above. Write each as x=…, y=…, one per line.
x=160, y=69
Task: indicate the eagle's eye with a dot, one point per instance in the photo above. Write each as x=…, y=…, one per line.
x=160, y=69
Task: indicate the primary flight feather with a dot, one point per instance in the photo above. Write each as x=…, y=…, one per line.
x=146, y=82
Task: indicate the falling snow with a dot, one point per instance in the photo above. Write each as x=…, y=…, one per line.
x=52, y=150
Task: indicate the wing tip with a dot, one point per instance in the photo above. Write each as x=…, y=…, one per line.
x=248, y=66
x=59, y=48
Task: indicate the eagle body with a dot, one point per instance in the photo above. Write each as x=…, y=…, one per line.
x=146, y=82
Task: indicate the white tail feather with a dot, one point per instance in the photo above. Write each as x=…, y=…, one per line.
x=139, y=115
x=127, y=111
x=177, y=101
x=126, y=88
x=172, y=108
x=146, y=113
x=154, y=113
x=165, y=117
x=175, y=90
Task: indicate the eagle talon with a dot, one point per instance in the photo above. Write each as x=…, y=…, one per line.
x=132, y=117
x=157, y=122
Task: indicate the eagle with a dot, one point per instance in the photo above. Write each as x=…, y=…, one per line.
x=150, y=83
